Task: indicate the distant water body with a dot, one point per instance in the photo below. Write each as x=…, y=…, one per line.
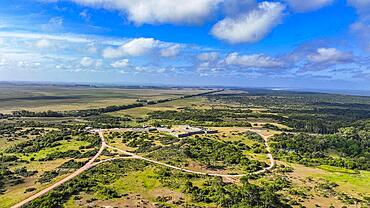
x=342, y=92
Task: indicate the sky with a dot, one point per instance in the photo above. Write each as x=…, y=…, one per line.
x=316, y=44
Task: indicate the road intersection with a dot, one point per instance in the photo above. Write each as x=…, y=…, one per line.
x=92, y=163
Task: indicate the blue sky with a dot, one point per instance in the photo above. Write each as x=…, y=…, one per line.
x=287, y=43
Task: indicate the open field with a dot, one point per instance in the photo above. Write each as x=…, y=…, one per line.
x=354, y=184
x=58, y=98
x=17, y=193
x=140, y=188
x=198, y=103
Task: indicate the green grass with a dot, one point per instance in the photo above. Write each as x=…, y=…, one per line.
x=173, y=105
x=16, y=193
x=359, y=183
x=348, y=180
x=355, y=184
x=65, y=146
x=138, y=182
x=337, y=169
x=4, y=143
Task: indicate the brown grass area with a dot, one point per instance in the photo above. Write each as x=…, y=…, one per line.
x=197, y=102
x=16, y=193
x=58, y=98
x=300, y=179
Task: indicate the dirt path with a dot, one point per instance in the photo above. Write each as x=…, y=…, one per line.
x=91, y=163
x=87, y=166
x=134, y=156
x=271, y=158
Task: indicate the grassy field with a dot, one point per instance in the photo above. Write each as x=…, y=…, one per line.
x=17, y=193
x=353, y=183
x=357, y=182
x=141, y=188
x=59, y=98
x=64, y=147
x=198, y=102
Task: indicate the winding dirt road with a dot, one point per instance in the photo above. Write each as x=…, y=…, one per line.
x=91, y=163
x=134, y=156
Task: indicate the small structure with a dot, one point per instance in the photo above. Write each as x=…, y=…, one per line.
x=210, y=131
x=180, y=135
x=179, y=131
x=186, y=130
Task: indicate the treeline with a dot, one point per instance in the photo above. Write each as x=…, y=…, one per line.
x=168, y=122
x=107, y=121
x=40, y=123
x=350, y=145
x=15, y=127
x=321, y=120
x=214, y=114
x=304, y=112
x=283, y=99
x=314, y=124
x=76, y=113
x=188, y=114
x=204, y=117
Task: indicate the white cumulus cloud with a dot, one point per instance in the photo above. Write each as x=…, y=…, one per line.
x=306, y=6
x=361, y=30
x=360, y=4
x=92, y=49
x=171, y=51
x=43, y=43
x=208, y=56
x=159, y=11
x=98, y=63
x=135, y=47
x=86, y=62
x=54, y=24
x=252, y=26
x=120, y=63
x=253, y=61
x=362, y=7
x=329, y=56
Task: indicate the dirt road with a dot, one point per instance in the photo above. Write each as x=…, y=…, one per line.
x=91, y=163
x=134, y=156
x=87, y=166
